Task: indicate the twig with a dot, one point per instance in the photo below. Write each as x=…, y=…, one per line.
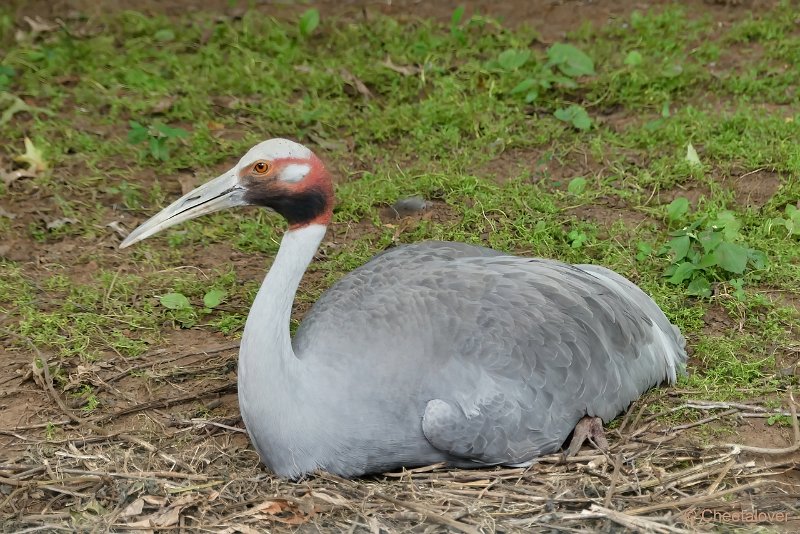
x=638, y=524
x=704, y=420
x=784, y=450
x=430, y=515
x=724, y=471
x=48, y=380
x=221, y=348
x=690, y=501
x=164, y=403
x=614, y=480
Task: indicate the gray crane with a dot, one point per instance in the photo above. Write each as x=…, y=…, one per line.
x=431, y=352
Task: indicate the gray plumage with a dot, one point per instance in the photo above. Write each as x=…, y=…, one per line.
x=450, y=352
x=428, y=353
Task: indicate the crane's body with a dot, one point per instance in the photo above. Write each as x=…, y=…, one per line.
x=429, y=352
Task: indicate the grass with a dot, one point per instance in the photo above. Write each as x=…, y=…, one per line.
x=449, y=128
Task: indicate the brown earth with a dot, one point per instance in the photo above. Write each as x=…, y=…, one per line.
x=187, y=406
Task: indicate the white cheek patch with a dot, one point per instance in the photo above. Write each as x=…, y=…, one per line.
x=294, y=172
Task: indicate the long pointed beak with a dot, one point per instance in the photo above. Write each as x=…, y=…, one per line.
x=222, y=192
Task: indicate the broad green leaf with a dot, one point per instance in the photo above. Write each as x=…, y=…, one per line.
x=563, y=81
x=691, y=156
x=677, y=209
x=570, y=60
x=730, y=225
x=574, y=115
x=137, y=133
x=682, y=272
x=644, y=250
x=708, y=260
x=633, y=59
x=525, y=85
x=577, y=185
x=158, y=148
x=700, y=287
x=759, y=259
x=731, y=257
x=168, y=131
x=673, y=71
x=214, y=298
x=458, y=14
x=709, y=239
x=164, y=36
x=577, y=238
x=175, y=301
x=513, y=59
x=309, y=22
x=679, y=247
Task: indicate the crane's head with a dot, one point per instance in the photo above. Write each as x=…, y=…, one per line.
x=278, y=174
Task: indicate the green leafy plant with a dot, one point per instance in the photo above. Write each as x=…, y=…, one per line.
x=455, y=24
x=575, y=115
x=87, y=396
x=6, y=74
x=577, y=238
x=790, y=221
x=513, y=59
x=131, y=194
x=577, y=185
x=707, y=250
x=634, y=58
x=570, y=60
x=309, y=21
x=158, y=137
x=779, y=419
x=564, y=64
x=183, y=311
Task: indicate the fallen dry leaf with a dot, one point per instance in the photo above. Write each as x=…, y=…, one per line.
x=133, y=509
x=12, y=104
x=330, y=498
x=188, y=183
x=327, y=144
x=154, y=500
x=241, y=529
x=163, y=105
x=115, y=225
x=285, y=511
x=39, y=25
x=166, y=517
x=12, y=176
x=405, y=70
x=55, y=224
x=7, y=214
x=33, y=157
x=350, y=79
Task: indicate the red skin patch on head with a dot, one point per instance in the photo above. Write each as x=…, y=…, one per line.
x=295, y=196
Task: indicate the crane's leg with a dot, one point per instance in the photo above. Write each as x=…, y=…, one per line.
x=590, y=428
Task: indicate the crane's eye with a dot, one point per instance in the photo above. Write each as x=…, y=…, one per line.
x=261, y=167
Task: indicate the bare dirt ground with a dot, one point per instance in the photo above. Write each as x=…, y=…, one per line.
x=170, y=453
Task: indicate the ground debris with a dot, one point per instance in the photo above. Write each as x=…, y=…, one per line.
x=641, y=484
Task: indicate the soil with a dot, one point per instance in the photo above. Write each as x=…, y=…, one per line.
x=552, y=18
x=189, y=378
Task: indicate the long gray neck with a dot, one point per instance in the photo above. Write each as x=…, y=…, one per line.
x=266, y=354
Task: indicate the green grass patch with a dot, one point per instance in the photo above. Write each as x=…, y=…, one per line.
x=518, y=146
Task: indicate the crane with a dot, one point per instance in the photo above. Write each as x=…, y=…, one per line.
x=430, y=352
